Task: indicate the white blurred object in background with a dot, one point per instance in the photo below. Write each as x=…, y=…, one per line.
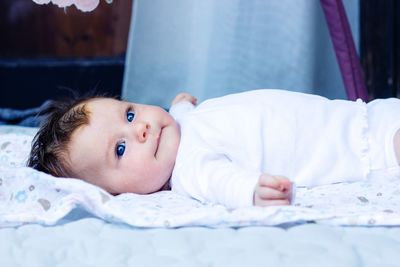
x=83, y=5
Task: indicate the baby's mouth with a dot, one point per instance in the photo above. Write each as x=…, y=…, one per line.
x=158, y=142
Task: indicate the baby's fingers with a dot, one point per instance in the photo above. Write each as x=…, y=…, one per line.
x=280, y=183
x=269, y=193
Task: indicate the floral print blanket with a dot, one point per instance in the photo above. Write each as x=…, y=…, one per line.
x=29, y=196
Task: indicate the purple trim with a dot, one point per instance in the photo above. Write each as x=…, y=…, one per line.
x=345, y=49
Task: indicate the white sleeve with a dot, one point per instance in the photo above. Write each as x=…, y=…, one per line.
x=181, y=108
x=211, y=177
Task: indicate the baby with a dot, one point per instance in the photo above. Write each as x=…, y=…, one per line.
x=235, y=150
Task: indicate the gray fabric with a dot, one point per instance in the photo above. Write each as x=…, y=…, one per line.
x=211, y=48
x=27, y=117
x=92, y=242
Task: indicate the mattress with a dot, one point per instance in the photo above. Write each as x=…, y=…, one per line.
x=94, y=242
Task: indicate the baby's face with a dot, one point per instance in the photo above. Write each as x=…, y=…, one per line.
x=126, y=147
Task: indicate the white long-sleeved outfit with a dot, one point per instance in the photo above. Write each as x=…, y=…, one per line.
x=228, y=142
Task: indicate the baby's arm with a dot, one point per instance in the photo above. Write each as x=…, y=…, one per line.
x=272, y=191
x=212, y=177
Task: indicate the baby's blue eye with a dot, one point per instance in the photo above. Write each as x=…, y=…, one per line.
x=120, y=149
x=130, y=115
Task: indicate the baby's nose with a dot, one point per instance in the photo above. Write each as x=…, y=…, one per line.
x=143, y=129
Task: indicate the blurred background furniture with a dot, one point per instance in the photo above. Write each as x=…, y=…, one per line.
x=45, y=49
x=380, y=47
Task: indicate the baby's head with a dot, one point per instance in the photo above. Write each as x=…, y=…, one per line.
x=117, y=145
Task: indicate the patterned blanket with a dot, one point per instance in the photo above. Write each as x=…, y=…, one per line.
x=29, y=196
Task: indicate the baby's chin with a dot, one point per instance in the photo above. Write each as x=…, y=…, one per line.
x=165, y=187
x=149, y=189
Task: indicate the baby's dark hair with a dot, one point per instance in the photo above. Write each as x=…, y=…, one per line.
x=50, y=144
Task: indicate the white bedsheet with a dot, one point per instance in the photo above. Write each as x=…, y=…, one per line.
x=29, y=196
x=92, y=242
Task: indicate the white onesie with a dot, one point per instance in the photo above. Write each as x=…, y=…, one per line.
x=228, y=142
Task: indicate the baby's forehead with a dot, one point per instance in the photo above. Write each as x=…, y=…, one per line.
x=103, y=109
x=102, y=104
x=104, y=101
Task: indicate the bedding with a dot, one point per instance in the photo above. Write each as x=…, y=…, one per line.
x=91, y=228
x=29, y=196
x=93, y=242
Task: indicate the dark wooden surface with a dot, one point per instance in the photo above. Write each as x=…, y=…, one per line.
x=397, y=48
x=28, y=83
x=380, y=33
x=31, y=30
x=45, y=49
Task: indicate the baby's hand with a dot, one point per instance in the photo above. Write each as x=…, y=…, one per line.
x=184, y=97
x=272, y=191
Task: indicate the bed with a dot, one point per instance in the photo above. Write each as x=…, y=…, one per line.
x=66, y=222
